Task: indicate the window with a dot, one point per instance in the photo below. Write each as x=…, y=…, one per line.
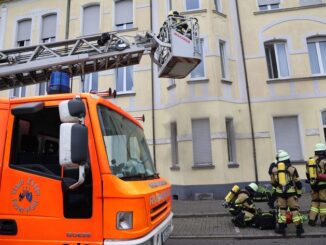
x=317, y=54
x=24, y=33
x=218, y=6
x=268, y=4
x=310, y=2
x=223, y=59
x=90, y=82
x=276, y=58
x=91, y=23
x=42, y=88
x=174, y=144
x=49, y=25
x=323, y=114
x=192, y=4
x=124, y=14
x=199, y=71
x=36, y=142
x=287, y=136
x=230, y=138
x=19, y=92
x=201, y=141
x=124, y=79
x=91, y=19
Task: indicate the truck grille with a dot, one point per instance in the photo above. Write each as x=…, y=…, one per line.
x=158, y=210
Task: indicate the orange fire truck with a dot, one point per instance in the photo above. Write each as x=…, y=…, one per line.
x=75, y=168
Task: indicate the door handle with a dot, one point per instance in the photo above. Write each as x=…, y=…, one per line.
x=8, y=227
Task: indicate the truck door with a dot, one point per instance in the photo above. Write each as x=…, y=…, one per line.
x=4, y=107
x=34, y=208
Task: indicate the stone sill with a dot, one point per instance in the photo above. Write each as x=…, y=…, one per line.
x=203, y=166
x=191, y=12
x=298, y=162
x=127, y=30
x=289, y=9
x=233, y=165
x=226, y=81
x=290, y=79
x=125, y=94
x=171, y=86
x=198, y=80
x=175, y=168
x=220, y=14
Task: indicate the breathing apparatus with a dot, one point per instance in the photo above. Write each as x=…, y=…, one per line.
x=312, y=170
x=228, y=198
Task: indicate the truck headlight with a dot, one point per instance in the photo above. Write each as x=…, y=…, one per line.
x=124, y=220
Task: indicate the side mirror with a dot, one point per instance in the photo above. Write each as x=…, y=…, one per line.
x=73, y=140
x=73, y=149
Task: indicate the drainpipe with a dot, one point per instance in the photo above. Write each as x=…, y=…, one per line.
x=248, y=95
x=153, y=91
x=67, y=34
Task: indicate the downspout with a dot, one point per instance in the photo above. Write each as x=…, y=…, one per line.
x=248, y=95
x=153, y=91
x=67, y=34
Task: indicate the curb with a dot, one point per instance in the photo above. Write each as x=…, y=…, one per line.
x=217, y=214
x=249, y=237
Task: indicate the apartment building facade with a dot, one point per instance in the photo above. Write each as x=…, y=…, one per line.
x=260, y=86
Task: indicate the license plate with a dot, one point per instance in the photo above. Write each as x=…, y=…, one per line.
x=166, y=233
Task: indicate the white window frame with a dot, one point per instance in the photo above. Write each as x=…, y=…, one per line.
x=88, y=80
x=53, y=38
x=125, y=26
x=124, y=90
x=316, y=41
x=21, y=92
x=230, y=140
x=323, y=123
x=210, y=162
x=223, y=59
x=199, y=6
x=274, y=43
x=26, y=42
x=298, y=133
x=268, y=7
x=202, y=42
x=174, y=144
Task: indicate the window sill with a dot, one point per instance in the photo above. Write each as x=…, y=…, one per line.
x=171, y=86
x=226, y=81
x=298, y=162
x=219, y=13
x=233, y=165
x=193, y=11
x=288, y=79
x=198, y=80
x=127, y=93
x=203, y=166
x=289, y=9
x=126, y=30
x=175, y=168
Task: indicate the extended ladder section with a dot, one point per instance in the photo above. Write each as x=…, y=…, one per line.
x=175, y=53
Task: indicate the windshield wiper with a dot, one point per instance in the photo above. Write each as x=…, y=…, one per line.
x=139, y=177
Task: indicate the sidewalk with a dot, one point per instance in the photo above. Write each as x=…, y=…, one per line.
x=209, y=219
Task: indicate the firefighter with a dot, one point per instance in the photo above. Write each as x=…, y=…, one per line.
x=316, y=167
x=242, y=207
x=179, y=20
x=288, y=187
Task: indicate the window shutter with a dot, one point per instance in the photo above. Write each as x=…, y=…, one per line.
x=201, y=139
x=267, y=2
x=287, y=136
x=123, y=12
x=310, y=2
x=174, y=144
x=24, y=30
x=91, y=20
x=49, y=26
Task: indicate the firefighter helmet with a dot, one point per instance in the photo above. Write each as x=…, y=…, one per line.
x=320, y=147
x=283, y=156
x=253, y=186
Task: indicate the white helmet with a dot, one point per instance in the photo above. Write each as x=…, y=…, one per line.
x=253, y=186
x=283, y=156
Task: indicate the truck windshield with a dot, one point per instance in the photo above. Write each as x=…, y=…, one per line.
x=126, y=146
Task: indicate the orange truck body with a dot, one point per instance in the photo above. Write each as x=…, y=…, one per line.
x=32, y=204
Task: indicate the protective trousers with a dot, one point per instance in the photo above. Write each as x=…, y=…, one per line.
x=318, y=205
x=292, y=203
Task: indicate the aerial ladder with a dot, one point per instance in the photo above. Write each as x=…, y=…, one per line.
x=175, y=50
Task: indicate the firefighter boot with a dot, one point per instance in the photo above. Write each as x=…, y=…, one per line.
x=280, y=229
x=312, y=222
x=299, y=230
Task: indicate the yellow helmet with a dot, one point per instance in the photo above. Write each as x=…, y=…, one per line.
x=170, y=13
